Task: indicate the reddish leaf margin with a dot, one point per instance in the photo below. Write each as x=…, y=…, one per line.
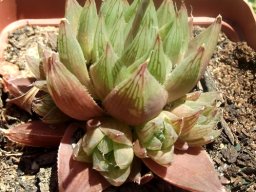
x=191, y=170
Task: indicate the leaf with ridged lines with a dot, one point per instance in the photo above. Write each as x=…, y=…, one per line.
x=87, y=28
x=159, y=64
x=177, y=38
x=112, y=10
x=71, y=54
x=100, y=39
x=25, y=101
x=72, y=13
x=102, y=73
x=136, y=99
x=35, y=134
x=185, y=76
x=165, y=13
x=68, y=93
x=210, y=43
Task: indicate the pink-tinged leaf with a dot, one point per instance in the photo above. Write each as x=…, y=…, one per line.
x=17, y=87
x=191, y=170
x=74, y=174
x=25, y=101
x=136, y=99
x=35, y=134
x=68, y=93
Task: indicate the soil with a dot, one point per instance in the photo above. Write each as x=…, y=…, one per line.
x=232, y=71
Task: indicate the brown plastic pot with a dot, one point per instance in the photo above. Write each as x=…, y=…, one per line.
x=237, y=14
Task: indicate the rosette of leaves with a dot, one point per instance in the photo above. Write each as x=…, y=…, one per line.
x=134, y=64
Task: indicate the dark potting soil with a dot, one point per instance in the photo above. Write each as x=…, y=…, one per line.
x=232, y=71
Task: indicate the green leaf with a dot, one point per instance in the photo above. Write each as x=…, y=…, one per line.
x=72, y=14
x=100, y=39
x=99, y=161
x=177, y=39
x=68, y=93
x=185, y=76
x=141, y=8
x=102, y=73
x=118, y=35
x=91, y=139
x=79, y=154
x=112, y=10
x=116, y=176
x=165, y=13
x=131, y=10
x=162, y=157
x=117, y=131
x=209, y=39
x=105, y=145
x=87, y=28
x=71, y=54
x=159, y=64
x=136, y=99
x=123, y=155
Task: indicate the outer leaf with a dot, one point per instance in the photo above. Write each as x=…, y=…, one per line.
x=46, y=108
x=25, y=101
x=210, y=43
x=33, y=61
x=35, y=134
x=87, y=28
x=191, y=170
x=73, y=174
x=185, y=76
x=55, y=116
x=72, y=13
x=102, y=73
x=43, y=104
x=71, y=54
x=137, y=99
x=68, y=93
x=18, y=86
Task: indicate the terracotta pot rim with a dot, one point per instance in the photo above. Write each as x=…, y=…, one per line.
x=201, y=21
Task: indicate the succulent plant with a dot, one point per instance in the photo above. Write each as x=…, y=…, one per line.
x=129, y=71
